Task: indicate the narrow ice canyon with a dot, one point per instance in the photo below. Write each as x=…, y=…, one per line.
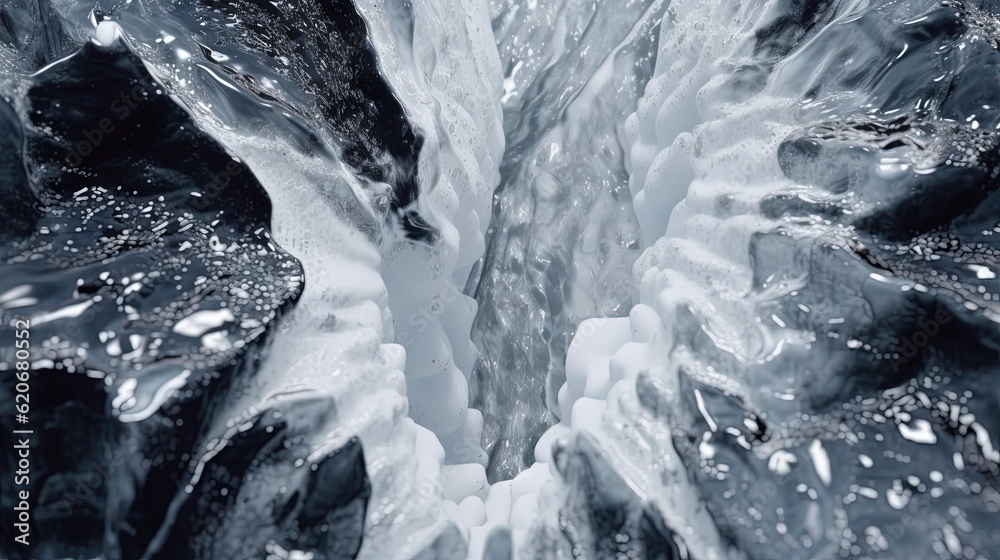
x=499, y=280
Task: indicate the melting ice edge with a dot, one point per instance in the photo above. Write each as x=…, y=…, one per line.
x=447, y=279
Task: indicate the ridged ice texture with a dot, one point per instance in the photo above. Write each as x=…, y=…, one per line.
x=376, y=133
x=364, y=301
x=809, y=373
x=442, y=65
x=562, y=237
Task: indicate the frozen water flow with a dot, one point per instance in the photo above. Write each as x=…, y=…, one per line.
x=450, y=279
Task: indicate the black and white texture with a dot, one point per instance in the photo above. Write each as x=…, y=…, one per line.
x=449, y=279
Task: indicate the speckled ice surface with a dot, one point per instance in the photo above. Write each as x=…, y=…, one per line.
x=448, y=279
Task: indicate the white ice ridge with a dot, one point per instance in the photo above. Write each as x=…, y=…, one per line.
x=447, y=76
x=689, y=143
x=370, y=313
x=606, y=355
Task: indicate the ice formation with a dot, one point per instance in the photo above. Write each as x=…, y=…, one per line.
x=449, y=279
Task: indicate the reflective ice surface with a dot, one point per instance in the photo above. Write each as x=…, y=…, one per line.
x=516, y=279
x=563, y=239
